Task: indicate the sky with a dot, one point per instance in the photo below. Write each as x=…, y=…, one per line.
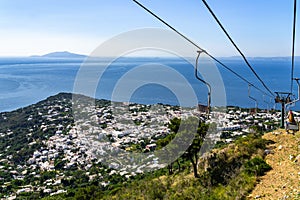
x=260, y=28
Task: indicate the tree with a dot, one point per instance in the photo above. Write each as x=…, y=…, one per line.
x=192, y=152
x=193, y=131
x=174, y=124
x=161, y=143
x=187, y=138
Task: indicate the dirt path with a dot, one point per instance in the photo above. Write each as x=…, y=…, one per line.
x=283, y=181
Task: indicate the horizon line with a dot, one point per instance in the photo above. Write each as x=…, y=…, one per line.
x=47, y=55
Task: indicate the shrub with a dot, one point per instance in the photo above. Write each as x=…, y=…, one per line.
x=257, y=166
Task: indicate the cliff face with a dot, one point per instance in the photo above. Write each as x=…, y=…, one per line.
x=283, y=181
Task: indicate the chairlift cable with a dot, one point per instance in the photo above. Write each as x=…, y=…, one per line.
x=204, y=51
x=293, y=46
x=236, y=47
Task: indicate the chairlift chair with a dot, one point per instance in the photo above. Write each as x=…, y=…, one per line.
x=293, y=126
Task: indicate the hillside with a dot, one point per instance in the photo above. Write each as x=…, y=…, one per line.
x=43, y=155
x=280, y=182
x=283, y=181
x=230, y=172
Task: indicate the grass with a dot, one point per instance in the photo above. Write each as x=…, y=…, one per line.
x=233, y=174
x=283, y=179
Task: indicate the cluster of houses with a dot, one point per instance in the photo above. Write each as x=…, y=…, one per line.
x=237, y=122
x=115, y=128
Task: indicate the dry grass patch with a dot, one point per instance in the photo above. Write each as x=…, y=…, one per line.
x=283, y=181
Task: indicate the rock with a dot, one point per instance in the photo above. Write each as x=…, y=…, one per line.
x=276, y=132
x=280, y=147
x=295, y=190
x=297, y=159
x=291, y=157
x=286, y=197
x=268, y=151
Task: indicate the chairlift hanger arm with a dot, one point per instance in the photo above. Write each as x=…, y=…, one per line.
x=264, y=100
x=196, y=72
x=298, y=99
x=203, y=81
x=251, y=96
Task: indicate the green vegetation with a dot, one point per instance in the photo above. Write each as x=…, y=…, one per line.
x=256, y=166
x=230, y=172
x=227, y=172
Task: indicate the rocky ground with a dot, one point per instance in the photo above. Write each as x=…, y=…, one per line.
x=283, y=181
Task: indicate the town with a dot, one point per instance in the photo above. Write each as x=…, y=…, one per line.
x=54, y=145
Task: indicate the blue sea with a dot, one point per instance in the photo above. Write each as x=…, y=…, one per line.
x=25, y=81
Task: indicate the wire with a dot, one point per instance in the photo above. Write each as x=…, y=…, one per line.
x=168, y=25
x=204, y=51
x=238, y=75
x=237, y=48
x=293, y=48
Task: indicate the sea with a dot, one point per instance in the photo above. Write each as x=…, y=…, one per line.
x=147, y=80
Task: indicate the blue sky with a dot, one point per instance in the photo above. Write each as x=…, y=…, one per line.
x=259, y=27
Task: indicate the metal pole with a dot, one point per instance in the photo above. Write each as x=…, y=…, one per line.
x=282, y=115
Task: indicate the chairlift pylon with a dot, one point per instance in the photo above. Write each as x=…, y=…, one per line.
x=283, y=98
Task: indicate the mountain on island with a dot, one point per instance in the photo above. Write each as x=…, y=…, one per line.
x=62, y=54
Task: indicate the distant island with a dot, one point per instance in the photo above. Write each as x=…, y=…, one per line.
x=61, y=54
x=66, y=54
